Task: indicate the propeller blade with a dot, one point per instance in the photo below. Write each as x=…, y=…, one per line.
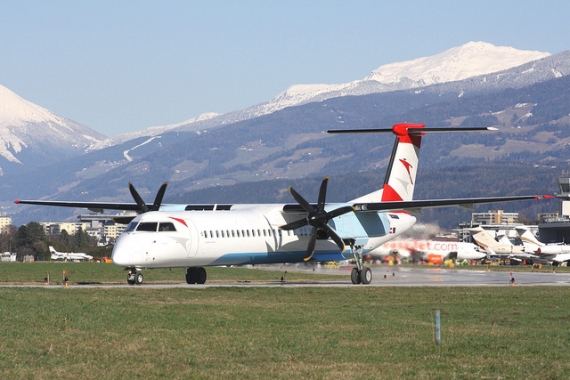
x=334, y=236
x=339, y=211
x=306, y=206
x=294, y=225
x=142, y=206
x=323, y=194
x=311, y=246
x=159, y=196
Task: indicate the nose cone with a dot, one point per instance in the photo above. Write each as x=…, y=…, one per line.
x=122, y=250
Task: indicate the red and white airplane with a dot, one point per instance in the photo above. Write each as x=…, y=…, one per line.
x=432, y=251
x=197, y=236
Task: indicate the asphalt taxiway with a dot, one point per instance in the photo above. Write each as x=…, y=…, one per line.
x=381, y=276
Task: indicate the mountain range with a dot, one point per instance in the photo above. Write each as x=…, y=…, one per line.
x=282, y=142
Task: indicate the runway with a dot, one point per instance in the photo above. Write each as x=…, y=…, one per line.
x=382, y=276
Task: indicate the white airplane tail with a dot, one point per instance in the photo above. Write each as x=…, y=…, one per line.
x=529, y=241
x=483, y=239
x=400, y=179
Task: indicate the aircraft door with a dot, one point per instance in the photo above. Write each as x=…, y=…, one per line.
x=193, y=241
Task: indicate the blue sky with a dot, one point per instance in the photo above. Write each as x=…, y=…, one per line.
x=122, y=66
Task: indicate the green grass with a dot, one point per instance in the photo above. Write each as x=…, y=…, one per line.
x=98, y=273
x=284, y=333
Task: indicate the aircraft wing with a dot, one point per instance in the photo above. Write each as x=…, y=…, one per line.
x=93, y=206
x=412, y=206
x=417, y=205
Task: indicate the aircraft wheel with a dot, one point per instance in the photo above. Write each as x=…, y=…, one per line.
x=139, y=278
x=355, y=276
x=366, y=275
x=200, y=275
x=131, y=279
x=191, y=275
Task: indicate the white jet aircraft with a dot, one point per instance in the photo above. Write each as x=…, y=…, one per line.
x=487, y=242
x=68, y=256
x=558, y=253
x=196, y=236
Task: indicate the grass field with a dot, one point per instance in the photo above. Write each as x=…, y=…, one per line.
x=94, y=273
x=282, y=333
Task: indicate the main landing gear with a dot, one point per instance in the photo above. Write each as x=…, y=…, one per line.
x=196, y=275
x=134, y=277
x=360, y=274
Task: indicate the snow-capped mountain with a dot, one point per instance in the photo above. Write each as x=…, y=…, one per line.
x=466, y=61
x=469, y=60
x=30, y=133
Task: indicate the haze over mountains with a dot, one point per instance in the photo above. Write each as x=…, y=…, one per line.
x=525, y=94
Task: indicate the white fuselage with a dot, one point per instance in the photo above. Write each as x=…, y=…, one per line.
x=246, y=234
x=465, y=251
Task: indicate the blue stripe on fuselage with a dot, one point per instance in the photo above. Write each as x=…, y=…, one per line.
x=278, y=257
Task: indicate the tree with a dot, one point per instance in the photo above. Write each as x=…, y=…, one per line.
x=27, y=239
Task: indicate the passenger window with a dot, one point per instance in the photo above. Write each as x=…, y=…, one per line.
x=147, y=226
x=166, y=227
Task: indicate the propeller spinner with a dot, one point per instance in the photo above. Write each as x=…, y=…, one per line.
x=318, y=218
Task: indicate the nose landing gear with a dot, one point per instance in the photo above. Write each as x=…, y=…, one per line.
x=134, y=277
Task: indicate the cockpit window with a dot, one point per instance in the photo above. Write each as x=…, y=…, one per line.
x=147, y=226
x=131, y=226
x=166, y=227
x=394, y=216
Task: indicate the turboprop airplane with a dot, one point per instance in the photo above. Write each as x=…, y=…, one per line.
x=558, y=253
x=68, y=256
x=196, y=236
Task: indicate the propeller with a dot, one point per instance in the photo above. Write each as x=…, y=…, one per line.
x=143, y=207
x=318, y=218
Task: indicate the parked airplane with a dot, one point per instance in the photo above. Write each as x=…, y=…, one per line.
x=487, y=242
x=195, y=236
x=432, y=251
x=558, y=253
x=68, y=256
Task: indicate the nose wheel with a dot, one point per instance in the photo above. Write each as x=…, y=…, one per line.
x=134, y=277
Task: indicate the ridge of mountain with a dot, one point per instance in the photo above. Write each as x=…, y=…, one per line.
x=469, y=60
